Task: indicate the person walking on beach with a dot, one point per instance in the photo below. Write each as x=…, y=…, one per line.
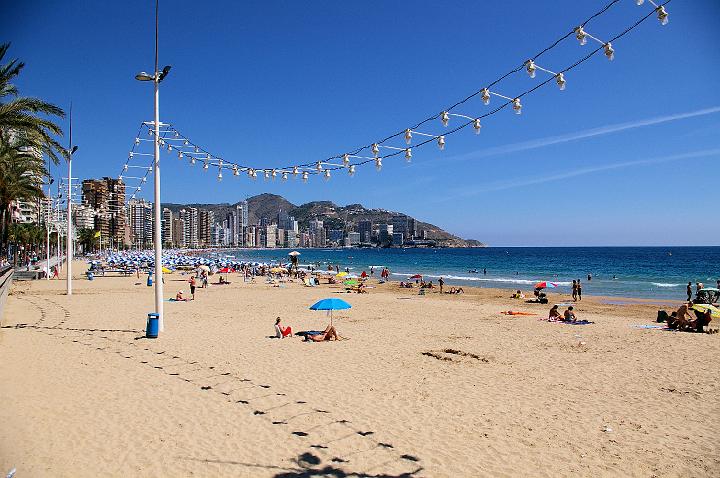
x=192, y=286
x=579, y=290
x=574, y=291
x=441, y=283
x=689, y=290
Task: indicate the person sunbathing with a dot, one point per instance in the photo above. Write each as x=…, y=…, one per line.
x=570, y=315
x=282, y=332
x=179, y=297
x=554, y=314
x=518, y=295
x=328, y=334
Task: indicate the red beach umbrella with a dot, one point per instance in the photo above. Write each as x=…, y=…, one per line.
x=416, y=276
x=544, y=285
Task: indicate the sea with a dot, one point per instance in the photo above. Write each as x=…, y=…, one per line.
x=636, y=272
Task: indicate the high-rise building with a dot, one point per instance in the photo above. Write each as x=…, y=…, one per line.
x=140, y=213
x=365, y=230
x=317, y=233
x=353, y=238
x=271, y=235
x=107, y=197
x=204, y=227
x=189, y=217
x=178, y=232
x=83, y=216
x=336, y=236
x=385, y=234
x=167, y=227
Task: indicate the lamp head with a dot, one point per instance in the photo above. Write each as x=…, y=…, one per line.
x=143, y=76
x=164, y=72
x=74, y=148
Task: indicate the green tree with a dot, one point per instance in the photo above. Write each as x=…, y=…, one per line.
x=26, y=117
x=87, y=238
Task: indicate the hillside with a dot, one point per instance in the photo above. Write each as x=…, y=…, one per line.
x=335, y=217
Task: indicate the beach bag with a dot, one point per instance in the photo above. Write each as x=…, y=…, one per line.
x=662, y=316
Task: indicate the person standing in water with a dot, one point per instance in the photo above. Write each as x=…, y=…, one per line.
x=689, y=290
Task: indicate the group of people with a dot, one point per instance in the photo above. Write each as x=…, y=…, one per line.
x=577, y=289
x=682, y=319
x=567, y=316
x=698, y=287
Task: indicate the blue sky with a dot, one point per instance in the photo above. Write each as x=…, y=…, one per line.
x=626, y=155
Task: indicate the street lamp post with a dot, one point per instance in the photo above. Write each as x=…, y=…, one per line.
x=68, y=241
x=156, y=78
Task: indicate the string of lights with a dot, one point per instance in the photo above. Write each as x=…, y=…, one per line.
x=172, y=140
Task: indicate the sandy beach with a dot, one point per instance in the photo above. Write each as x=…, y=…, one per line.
x=434, y=385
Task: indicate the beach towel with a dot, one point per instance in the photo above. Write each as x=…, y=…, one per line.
x=579, y=322
x=514, y=312
x=645, y=326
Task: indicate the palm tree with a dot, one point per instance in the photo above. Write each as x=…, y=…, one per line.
x=20, y=116
x=88, y=239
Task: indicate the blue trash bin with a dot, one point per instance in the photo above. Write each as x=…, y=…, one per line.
x=153, y=325
x=149, y=280
x=90, y=275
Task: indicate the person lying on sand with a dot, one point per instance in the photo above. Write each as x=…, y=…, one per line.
x=179, y=297
x=554, y=314
x=453, y=290
x=569, y=315
x=328, y=334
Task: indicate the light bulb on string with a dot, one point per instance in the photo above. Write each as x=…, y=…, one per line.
x=125, y=167
x=517, y=106
x=186, y=142
x=284, y=176
x=530, y=68
x=161, y=142
x=560, y=80
x=346, y=159
x=305, y=176
x=274, y=175
x=295, y=171
x=192, y=160
x=197, y=150
x=375, y=149
x=485, y=95
x=327, y=175
x=144, y=180
x=581, y=35
x=169, y=147
x=378, y=163
x=219, y=176
x=445, y=118
x=477, y=125
x=408, y=136
x=150, y=132
x=441, y=142
x=351, y=170
x=137, y=140
x=266, y=174
x=205, y=165
x=180, y=155
x=639, y=2
x=408, y=154
x=131, y=154
x=318, y=166
x=236, y=171
x=663, y=15
x=609, y=51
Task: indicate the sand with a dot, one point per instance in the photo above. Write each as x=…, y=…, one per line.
x=439, y=386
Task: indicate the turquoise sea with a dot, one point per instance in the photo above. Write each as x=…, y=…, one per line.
x=640, y=272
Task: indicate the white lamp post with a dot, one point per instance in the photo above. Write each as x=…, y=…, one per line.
x=68, y=242
x=156, y=78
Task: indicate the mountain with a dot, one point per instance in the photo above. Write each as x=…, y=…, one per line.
x=334, y=216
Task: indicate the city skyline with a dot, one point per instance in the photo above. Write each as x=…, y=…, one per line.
x=572, y=162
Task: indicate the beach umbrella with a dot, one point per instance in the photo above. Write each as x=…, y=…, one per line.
x=341, y=274
x=204, y=268
x=416, y=276
x=276, y=270
x=330, y=305
x=293, y=253
x=714, y=311
x=226, y=270
x=166, y=270
x=544, y=285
